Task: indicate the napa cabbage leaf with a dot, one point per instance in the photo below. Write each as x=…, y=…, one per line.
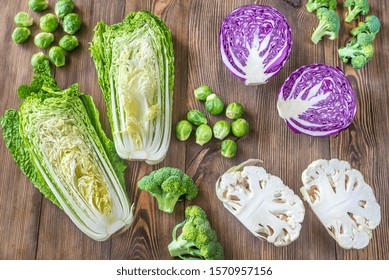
x=135, y=67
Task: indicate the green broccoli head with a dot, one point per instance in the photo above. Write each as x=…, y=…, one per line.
x=329, y=25
x=371, y=25
x=197, y=239
x=313, y=5
x=359, y=51
x=356, y=7
x=167, y=185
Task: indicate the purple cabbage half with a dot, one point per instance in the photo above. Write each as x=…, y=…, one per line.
x=317, y=100
x=255, y=41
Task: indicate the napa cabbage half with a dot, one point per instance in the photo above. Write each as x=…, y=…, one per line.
x=135, y=67
x=57, y=140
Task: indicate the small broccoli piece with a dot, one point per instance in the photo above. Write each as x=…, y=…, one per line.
x=197, y=239
x=329, y=25
x=359, y=51
x=167, y=185
x=371, y=25
x=313, y=5
x=356, y=7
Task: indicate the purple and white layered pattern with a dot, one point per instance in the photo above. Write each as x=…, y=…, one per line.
x=317, y=100
x=255, y=41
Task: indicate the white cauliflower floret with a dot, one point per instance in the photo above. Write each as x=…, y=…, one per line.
x=261, y=202
x=342, y=200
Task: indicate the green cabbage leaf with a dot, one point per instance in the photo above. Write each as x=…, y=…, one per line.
x=57, y=140
x=135, y=67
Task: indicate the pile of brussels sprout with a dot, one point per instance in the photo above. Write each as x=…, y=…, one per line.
x=221, y=129
x=48, y=23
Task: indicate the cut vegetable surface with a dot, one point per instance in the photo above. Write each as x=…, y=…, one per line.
x=261, y=202
x=57, y=140
x=134, y=61
x=255, y=41
x=317, y=100
x=342, y=200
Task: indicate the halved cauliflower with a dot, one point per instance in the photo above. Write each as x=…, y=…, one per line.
x=342, y=200
x=262, y=203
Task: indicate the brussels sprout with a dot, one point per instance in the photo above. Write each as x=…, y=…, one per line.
x=48, y=23
x=43, y=40
x=71, y=23
x=240, y=127
x=23, y=19
x=196, y=117
x=203, y=134
x=221, y=129
x=201, y=93
x=234, y=110
x=63, y=7
x=20, y=34
x=68, y=42
x=38, y=5
x=214, y=105
x=37, y=59
x=183, y=130
x=228, y=148
x=57, y=56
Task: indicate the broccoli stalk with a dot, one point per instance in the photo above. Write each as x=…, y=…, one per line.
x=359, y=51
x=371, y=25
x=167, y=185
x=313, y=5
x=197, y=240
x=356, y=7
x=329, y=25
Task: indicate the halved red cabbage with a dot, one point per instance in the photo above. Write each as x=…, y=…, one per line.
x=317, y=100
x=255, y=41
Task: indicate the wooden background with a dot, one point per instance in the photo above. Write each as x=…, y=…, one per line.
x=33, y=228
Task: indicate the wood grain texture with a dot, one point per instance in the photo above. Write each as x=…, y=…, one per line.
x=33, y=228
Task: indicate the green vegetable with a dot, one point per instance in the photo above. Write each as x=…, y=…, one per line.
x=63, y=7
x=359, y=51
x=20, y=35
x=371, y=25
x=234, y=110
x=135, y=67
x=38, y=59
x=196, y=117
x=240, y=127
x=38, y=5
x=201, y=93
x=203, y=134
x=214, y=105
x=221, y=129
x=329, y=25
x=356, y=7
x=48, y=23
x=167, y=185
x=313, y=5
x=23, y=19
x=57, y=56
x=183, y=130
x=57, y=141
x=71, y=23
x=197, y=240
x=68, y=43
x=43, y=40
x=228, y=148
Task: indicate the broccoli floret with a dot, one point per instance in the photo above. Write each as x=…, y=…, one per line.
x=329, y=25
x=371, y=25
x=359, y=51
x=197, y=240
x=167, y=185
x=356, y=7
x=313, y=5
